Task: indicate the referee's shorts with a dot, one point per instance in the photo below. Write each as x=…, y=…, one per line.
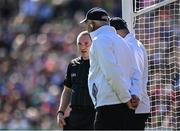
x=80, y=119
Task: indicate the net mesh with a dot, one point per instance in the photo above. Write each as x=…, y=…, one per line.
x=159, y=31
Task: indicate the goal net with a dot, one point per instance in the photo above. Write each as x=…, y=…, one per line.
x=156, y=24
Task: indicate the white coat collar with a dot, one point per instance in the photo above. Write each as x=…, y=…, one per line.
x=105, y=28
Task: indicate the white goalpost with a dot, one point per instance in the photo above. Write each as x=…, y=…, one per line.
x=156, y=24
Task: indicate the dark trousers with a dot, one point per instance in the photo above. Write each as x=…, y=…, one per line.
x=80, y=119
x=112, y=117
x=138, y=121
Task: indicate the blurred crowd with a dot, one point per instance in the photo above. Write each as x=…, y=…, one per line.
x=37, y=41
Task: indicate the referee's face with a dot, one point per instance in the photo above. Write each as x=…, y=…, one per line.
x=84, y=46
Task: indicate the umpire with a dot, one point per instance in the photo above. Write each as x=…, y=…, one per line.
x=76, y=91
x=137, y=121
x=110, y=72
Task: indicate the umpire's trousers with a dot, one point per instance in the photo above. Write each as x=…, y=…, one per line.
x=112, y=117
x=137, y=122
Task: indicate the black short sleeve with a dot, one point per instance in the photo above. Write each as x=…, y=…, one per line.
x=67, y=81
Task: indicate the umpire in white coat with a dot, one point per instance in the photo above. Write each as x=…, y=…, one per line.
x=110, y=72
x=143, y=110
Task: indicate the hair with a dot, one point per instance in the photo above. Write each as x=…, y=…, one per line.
x=125, y=31
x=98, y=23
x=82, y=34
x=119, y=24
x=101, y=23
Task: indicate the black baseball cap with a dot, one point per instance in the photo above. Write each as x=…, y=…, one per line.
x=96, y=13
x=118, y=23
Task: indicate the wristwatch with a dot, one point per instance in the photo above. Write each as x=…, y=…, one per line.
x=62, y=112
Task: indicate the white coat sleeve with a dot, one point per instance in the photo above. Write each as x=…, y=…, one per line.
x=136, y=80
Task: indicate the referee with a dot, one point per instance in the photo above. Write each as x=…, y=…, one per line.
x=76, y=92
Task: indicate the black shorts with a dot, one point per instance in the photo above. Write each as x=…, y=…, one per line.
x=80, y=119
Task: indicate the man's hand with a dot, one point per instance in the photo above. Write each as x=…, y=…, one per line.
x=60, y=120
x=134, y=101
x=129, y=104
